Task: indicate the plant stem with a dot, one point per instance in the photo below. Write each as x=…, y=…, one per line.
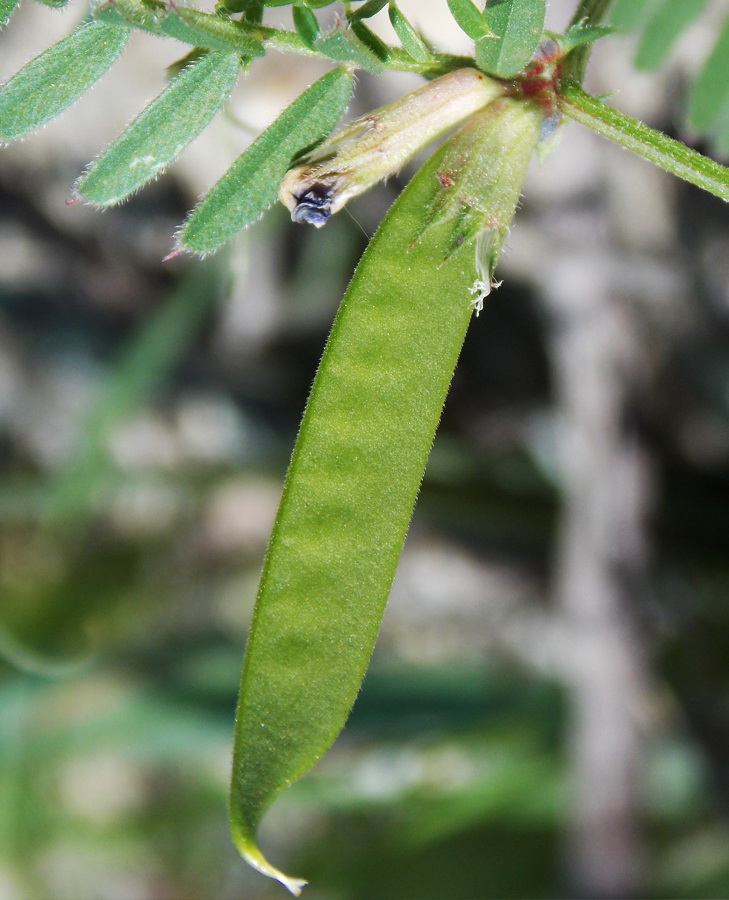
x=658, y=148
x=588, y=12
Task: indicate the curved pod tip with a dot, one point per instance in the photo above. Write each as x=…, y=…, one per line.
x=253, y=856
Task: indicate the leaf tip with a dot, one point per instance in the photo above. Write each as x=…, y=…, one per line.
x=253, y=856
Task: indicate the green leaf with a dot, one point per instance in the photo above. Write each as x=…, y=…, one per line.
x=518, y=26
x=253, y=11
x=233, y=7
x=370, y=39
x=628, y=14
x=54, y=4
x=470, y=19
x=358, y=462
x=342, y=45
x=147, y=16
x=411, y=41
x=6, y=10
x=368, y=9
x=162, y=130
x=663, y=151
x=250, y=186
x=710, y=93
x=721, y=132
x=663, y=28
x=48, y=84
x=305, y=23
x=210, y=31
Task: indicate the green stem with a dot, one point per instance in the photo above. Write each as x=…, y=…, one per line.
x=588, y=12
x=658, y=148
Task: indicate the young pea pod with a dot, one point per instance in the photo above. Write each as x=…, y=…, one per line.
x=377, y=145
x=360, y=457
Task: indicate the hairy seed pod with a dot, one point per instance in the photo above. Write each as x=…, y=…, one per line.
x=360, y=455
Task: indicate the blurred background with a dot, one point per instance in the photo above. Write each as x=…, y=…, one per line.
x=547, y=713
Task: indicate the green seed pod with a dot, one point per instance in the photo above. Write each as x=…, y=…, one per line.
x=377, y=145
x=360, y=456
